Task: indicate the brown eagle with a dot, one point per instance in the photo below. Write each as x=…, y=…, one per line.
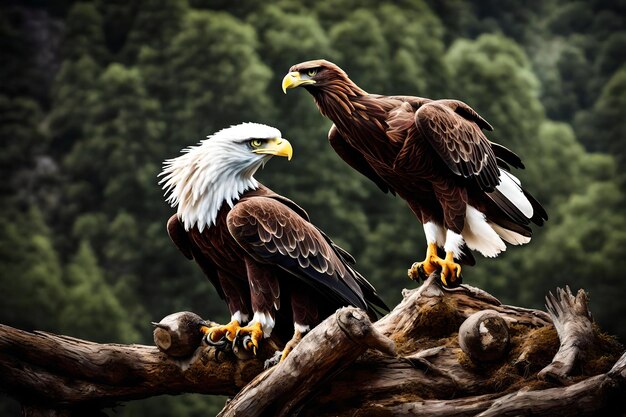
x=258, y=248
x=434, y=155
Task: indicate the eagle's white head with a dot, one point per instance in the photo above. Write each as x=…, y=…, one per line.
x=219, y=169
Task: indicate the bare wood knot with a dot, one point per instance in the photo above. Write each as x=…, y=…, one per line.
x=179, y=334
x=484, y=336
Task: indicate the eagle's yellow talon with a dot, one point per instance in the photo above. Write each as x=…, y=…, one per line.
x=255, y=332
x=450, y=271
x=428, y=266
x=229, y=331
x=297, y=337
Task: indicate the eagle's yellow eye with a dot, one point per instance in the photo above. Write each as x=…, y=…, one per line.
x=255, y=143
x=311, y=72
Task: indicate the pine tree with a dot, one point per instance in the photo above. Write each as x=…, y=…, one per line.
x=30, y=272
x=84, y=34
x=157, y=22
x=217, y=77
x=115, y=167
x=92, y=311
x=604, y=127
x=73, y=84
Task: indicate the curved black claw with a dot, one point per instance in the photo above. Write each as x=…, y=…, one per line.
x=456, y=282
x=243, y=347
x=421, y=273
x=222, y=345
x=244, y=343
x=417, y=272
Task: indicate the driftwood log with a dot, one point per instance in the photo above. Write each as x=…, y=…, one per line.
x=449, y=352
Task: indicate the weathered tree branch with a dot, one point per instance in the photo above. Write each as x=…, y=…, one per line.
x=61, y=371
x=593, y=396
x=280, y=390
x=442, y=364
x=574, y=325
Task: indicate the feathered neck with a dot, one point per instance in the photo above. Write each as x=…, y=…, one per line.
x=336, y=96
x=201, y=180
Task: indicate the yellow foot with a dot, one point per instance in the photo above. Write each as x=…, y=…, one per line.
x=297, y=337
x=422, y=270
x=450, y=270
x=218, y=333
x=250, y=336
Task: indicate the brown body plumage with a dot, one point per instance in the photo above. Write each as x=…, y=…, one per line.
x=257, y=253
x=432, y=153
x=271, y=265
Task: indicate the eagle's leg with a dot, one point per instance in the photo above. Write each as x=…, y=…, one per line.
x=298, y=334
x=450, y=270
x=251, y=335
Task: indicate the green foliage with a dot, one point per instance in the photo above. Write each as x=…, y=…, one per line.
x=73, y=84
x=156, y=23
x=571, y=18
x=604, y=127
x=84, y=35
x=92, y=311
x=122, y=131
x=20, y=139
x=31, y=274
x=94, y=95
x=510, y=103
x=417, y=50
x=218, y=78
x=363, y=49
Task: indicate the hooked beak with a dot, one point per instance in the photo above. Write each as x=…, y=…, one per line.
x=293, y=80
x=277, y=147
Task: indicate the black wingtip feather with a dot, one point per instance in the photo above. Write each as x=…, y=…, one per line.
x=507, y=155
x=508, y=208
x=539, y=213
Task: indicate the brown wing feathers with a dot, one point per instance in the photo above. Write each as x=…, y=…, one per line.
x=180, y=238
x=271, y=233
x=459, y=142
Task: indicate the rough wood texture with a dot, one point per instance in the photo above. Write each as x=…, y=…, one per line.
x=281, y=389
x=574, y=325
x=179, y=335
x=339, y=368
x=484, y=336
x=592, y=397
x=61, y=370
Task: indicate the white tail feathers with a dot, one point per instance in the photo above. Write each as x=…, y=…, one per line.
x=510, y=236
x=484, y=236
x=479, y=234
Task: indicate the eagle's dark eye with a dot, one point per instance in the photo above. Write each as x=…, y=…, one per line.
x=255, y=143
x=311, y=72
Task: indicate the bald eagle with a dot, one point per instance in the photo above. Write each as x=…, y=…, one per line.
x=258, y=248
x=434, y=155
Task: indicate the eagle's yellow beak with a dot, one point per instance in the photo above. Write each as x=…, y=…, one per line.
x=293, y=80
x=278, y=147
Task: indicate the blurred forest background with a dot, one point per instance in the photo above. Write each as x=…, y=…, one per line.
x=95, y=95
